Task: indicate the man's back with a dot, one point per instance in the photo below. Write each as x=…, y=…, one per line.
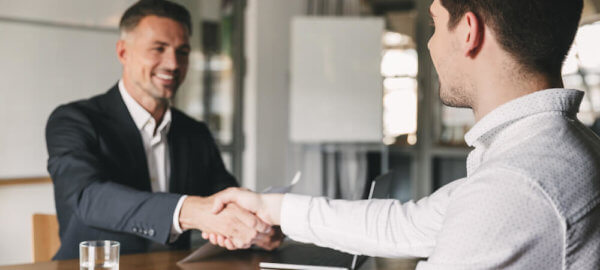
x=527, y=202
x=561, y=156
x=540, y=163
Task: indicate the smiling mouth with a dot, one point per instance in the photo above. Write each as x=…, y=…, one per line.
x=164, y=76
x=166, y=79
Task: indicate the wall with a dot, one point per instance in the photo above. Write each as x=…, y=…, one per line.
x=266, y=114
x=17, y=204
x=266, y=106
x=46, y=45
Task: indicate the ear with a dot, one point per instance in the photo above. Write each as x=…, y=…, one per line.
x=474, y=38
x=122, y=51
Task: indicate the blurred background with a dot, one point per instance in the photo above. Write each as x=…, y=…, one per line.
x=341, y=90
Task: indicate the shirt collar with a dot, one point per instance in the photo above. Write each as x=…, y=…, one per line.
x=559, y=100
x=140, y=116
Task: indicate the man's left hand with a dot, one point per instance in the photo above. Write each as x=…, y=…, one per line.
x=271, y=240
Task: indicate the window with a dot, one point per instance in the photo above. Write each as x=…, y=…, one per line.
x=582, y=71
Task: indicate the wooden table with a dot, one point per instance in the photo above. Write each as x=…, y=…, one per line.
x=236, y=260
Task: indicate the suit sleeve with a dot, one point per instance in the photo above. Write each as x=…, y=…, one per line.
x=83, y=186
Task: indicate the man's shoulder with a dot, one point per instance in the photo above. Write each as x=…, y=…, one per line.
x=561, y=160
x=88, y=106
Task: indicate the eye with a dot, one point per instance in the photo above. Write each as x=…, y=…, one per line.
x=183, y=52
x=158, y=49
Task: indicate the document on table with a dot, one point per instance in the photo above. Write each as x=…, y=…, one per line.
x=209, y=250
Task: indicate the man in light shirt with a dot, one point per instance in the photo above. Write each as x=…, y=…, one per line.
x=122, y=161
x=532, y=192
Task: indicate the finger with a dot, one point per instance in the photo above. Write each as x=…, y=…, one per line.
x=270, y=241
x=204, y=235
x=264, y=241
x=222, y=199
x=241, y=234
x=218, y=206
x=221, y=241
x=229, y=245
x=253, y=222
x=275, y=244
x=213, y=239
x=260, y=238
x=240, y=244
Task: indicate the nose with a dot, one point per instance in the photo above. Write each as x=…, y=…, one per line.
x=169, y=60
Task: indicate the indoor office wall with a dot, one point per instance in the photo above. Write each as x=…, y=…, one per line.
x=17, y=204
x=266, y=100
x=270, y=158
x=52, y=52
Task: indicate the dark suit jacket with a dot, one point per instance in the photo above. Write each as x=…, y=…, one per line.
x=101, y=185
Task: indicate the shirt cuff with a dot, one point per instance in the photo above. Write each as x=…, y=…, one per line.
x=176, y=228
x=294, y=215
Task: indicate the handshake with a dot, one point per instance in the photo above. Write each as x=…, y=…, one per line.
x=235, y=218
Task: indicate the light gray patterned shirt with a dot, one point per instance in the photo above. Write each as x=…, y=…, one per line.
x=530, y=200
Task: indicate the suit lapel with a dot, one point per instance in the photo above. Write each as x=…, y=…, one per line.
x=131, y=139
x=179, y=146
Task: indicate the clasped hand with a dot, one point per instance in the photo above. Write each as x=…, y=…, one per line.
x=235, y=218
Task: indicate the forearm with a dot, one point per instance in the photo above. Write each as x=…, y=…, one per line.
x=270, y=210
x=382, y=228
x=114, y=207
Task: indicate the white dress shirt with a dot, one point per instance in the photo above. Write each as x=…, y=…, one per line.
x=156, y=146
x=530, y=199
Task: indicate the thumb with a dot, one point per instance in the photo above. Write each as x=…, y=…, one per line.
x=221, y=200
x=218, y=205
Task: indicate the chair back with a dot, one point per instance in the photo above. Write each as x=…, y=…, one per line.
x=45, y=237
x=394, y=184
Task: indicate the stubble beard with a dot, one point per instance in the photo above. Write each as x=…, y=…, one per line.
x=454, y=96
x=156, y=93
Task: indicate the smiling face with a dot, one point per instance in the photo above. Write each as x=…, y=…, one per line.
x=446, y=55
x=155, y=56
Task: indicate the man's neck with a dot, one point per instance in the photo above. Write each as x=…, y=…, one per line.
x=494, y=91
x=156, y=107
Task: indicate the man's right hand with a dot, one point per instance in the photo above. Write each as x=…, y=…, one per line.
x=265, y=206
x=237, y=224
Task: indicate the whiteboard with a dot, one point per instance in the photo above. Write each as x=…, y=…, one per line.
x=42, y=67
x=336, y=87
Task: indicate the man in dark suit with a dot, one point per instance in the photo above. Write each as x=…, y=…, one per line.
x=121, y=161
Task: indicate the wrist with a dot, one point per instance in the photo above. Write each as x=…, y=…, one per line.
x=191, y=208
x=176, y=226
x=271, y=208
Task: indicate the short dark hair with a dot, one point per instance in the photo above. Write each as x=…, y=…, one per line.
x=161, y=8
x=538, y=33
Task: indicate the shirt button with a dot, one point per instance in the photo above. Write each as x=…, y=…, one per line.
x=145, y=232
x=151, y=232
x=135, y=229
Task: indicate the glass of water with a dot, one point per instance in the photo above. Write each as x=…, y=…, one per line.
x=99, y=255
